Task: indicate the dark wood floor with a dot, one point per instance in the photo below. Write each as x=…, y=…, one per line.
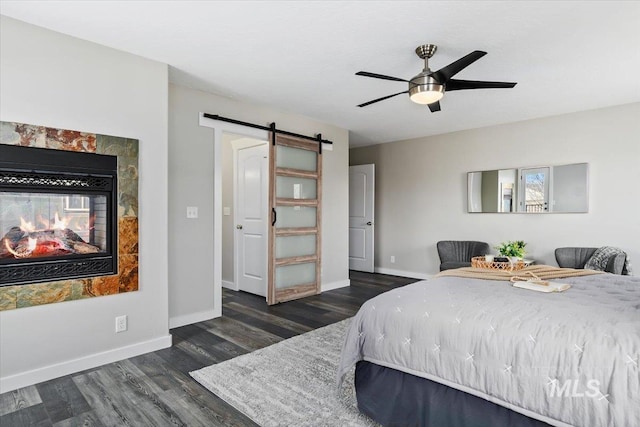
x=155, y=389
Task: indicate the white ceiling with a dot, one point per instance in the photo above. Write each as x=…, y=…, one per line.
x=301, y=56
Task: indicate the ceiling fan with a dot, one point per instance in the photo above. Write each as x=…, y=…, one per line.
x=429, y=87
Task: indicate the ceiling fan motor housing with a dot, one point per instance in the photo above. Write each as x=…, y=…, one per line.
x=424, y=89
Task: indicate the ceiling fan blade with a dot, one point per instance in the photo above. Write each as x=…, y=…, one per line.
x=382, y=99
x=379, y=76
x=476, y=84
x=434, y=107
x=445, y=73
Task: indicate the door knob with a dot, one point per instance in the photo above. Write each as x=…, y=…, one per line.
x=369, y=223
x=239, y=227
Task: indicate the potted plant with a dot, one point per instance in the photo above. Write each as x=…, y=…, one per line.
x=512, y=249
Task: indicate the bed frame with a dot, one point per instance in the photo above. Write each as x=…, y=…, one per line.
x=395, y=398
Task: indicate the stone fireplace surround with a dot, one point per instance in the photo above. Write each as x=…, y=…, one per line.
x=126, y=150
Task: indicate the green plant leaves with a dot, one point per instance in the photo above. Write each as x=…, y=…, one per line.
x=512, y=248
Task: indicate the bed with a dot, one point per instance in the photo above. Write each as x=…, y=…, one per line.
x=455, y=351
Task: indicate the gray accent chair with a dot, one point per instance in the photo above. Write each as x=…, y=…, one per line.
x=458, y=253
x=577, y=257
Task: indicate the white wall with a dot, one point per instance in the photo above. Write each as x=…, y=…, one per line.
x=421, y=187
x=47, y=78
x=191, y=184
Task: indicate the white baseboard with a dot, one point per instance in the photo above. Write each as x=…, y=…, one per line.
x=46, y=373
x=335, y=285
x=229, y=285
x=188, y=319
x=402, y=273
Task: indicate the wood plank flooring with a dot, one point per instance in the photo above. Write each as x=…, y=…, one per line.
x=155, y=389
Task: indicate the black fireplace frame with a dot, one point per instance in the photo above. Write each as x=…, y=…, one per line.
x=40, y=170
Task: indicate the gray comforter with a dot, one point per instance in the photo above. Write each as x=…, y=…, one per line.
x=568, y=358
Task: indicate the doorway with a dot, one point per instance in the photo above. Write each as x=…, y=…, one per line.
x=245, y=187
x=294, y=154
x=221, y=128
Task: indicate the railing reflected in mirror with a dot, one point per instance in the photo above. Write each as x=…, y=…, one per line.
x=546, y=189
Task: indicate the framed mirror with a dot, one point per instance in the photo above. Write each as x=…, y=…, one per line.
x=545, y=189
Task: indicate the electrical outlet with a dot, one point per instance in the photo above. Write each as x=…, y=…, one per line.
x=121, y=323
x=393, y=259
x=192, y=212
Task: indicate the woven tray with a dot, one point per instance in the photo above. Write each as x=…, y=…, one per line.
x=479, y=262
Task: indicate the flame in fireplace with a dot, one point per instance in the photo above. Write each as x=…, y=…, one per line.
x=60, y=224
x=79, y=224
x=26, y=226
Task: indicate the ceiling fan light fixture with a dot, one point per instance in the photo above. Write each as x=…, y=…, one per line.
x=424, y=89
x=424, y=94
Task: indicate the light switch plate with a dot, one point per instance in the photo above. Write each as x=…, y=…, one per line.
x=192, y=212
x=226, y=211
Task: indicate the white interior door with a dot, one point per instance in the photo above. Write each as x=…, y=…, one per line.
x=252, y=174
x=361, y=218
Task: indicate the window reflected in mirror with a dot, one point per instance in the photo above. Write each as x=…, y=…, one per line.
x=536, y=189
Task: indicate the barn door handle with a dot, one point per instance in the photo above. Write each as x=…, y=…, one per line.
x=274, y=216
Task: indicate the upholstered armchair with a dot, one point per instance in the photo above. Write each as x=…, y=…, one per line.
x=458, y=253
x=577, y=257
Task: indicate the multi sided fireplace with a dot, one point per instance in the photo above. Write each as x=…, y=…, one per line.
x=58, y=215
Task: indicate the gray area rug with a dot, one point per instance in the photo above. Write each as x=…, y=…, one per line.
x=291, y=383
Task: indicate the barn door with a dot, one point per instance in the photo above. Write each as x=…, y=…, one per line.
x=295, y=193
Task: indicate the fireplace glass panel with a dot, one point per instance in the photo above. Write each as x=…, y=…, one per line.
x=44, y=225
